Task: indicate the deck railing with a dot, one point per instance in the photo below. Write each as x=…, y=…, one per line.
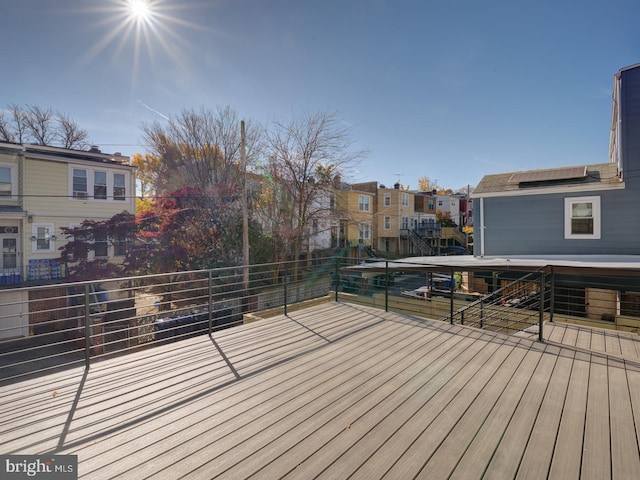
x=73, y=324
x=50, y=327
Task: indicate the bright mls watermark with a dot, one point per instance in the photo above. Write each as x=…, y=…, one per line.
x=58, y=467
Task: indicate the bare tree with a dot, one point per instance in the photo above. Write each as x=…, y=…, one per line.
x=6, y=130
x=69, y=133
x=16, y=127
x=304, y=156
x=200, y=148
x=39, y=124
x=42, y=126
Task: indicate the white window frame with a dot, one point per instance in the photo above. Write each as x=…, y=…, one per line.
x=387, y=199
x=596, y=215
x=387, y=222
x=113, y=188
x=105, y=185
x=77, y=194
x=405, y=223
x=364, y=203
x=90, y=193
x=109, y=249
x=405, y=199
x=34, y=237
x=13, y=172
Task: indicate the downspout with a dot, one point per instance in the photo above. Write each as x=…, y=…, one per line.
x=481, y=227
x=620, y=152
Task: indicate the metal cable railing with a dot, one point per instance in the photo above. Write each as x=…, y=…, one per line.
x=52, y=327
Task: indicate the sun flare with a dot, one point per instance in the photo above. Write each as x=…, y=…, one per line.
x=144, y=32
x=139, y=9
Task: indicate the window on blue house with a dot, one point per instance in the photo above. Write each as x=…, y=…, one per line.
x=582, y=218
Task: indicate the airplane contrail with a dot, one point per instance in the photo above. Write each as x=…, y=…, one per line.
x=151, y=109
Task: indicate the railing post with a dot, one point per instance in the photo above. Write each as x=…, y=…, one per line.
x=87, y=327
x=541, y=319
x=451, y=289
x=286, y=280
x=552, y=291
x=337, y=277
x=481, y=313
x=210, y=286
x=386, y=286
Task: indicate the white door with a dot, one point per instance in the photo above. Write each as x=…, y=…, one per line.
x=9, y=244
x=14, y=315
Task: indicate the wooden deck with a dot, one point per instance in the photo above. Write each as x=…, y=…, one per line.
x=342, y=391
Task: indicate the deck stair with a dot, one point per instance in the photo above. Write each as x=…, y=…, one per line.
x=420, y=243
x=513, y=308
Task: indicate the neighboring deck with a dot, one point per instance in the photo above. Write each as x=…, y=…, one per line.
x=338, y=391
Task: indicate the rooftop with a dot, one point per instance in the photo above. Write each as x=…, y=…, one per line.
x=339, y=390
x=602, y=174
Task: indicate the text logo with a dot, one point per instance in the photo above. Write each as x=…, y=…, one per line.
x=58, y=467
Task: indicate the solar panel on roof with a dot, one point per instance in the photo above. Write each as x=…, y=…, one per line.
x=548, y=175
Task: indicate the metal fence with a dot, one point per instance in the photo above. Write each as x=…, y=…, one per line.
x=508, y=301
x=49, y=327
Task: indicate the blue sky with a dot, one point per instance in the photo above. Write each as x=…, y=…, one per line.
x=448, y=89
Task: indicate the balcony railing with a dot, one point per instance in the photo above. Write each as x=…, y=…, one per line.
x=430, y=231
x=67, y=324
x=49, y=327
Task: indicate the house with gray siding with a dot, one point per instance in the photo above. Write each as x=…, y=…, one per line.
x=576, y=210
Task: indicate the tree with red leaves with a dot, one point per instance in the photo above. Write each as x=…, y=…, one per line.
x=189, y=229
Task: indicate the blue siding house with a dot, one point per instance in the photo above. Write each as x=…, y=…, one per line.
x=576, y=210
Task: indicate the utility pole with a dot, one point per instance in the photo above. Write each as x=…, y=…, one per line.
x=245, y=216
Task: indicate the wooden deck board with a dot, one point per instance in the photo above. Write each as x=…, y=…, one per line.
x=280, y=386
x=612, y=343
x=469, y=382
x=512, y=444
x=469, y=446
x=596, y=453
x=624, y=441
x=472, y=404
x=567, y=456
x=357, y=417
x=555, y=332
x=328, y=408
x=338, y=391
x=628, y=346
x=357, y=444
x=597, y=341
x=570, y=336
x=539, y=450
x=584, y=338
